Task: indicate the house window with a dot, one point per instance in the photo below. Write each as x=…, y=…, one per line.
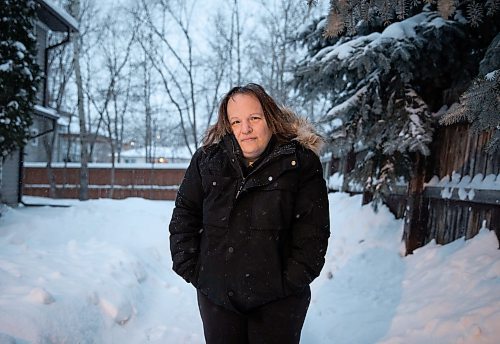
x=34, y=140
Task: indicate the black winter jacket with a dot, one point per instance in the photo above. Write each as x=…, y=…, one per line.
x=247, y=241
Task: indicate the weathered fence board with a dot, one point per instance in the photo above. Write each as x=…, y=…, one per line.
x=462, y=211
x=449, y=220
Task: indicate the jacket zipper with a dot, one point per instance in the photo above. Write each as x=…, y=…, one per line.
x=244, y=179
x=240, y=187
x=242, y=183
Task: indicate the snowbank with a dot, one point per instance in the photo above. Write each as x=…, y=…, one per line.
x=99, y=272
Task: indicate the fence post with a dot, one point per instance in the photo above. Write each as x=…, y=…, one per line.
x=349, y=164
x=367, y=197
x=417, y=213
x=495, y=223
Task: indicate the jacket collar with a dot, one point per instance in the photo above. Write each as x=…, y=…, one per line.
x=273, y=151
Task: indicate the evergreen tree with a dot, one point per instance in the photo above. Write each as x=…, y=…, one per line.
x=385, y=82
x=480, y=104
x=19, y=72
x=344, y=15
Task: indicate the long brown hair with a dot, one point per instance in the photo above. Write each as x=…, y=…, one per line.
x=279, y=119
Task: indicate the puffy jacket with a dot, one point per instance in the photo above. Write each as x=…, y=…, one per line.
x=246, y=241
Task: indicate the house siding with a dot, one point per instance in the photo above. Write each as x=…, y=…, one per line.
x=10, y=179
x=35, y=148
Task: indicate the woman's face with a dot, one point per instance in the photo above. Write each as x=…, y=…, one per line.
x=248, y=124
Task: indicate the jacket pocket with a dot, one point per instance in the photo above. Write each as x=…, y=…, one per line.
x=272, y=207
x=218, y=193
x=262, y=280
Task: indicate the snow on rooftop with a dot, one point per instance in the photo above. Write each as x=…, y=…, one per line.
x=46, y=111
x=157, y=152
x=61, y=13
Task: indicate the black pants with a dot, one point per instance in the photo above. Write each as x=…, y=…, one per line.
x=277, y=322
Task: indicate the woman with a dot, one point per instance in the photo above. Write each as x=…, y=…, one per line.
x=251, y=221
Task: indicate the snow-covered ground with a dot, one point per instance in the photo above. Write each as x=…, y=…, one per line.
x=99, y=272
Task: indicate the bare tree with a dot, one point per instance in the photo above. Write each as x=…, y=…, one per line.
x=75, y=11
x=231, y=41
x=219, y=63
x=108, y=101
x=120, y=109
x=147, y=91
x=235, y=18
x=273, y=53
x=90, y=33
x=171, y=54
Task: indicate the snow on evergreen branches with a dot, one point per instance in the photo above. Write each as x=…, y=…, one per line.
x=384, y=80
x=480, y=103
x=345, y=15
x=372, y=67
x=413, y=126
x=480, y=106
x=19, y=73
x=374, y=82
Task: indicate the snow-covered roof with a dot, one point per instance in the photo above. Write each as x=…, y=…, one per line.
x=158, y=152
x=64, y=121
x=55, y=17
x=46, y=112
x=74, y=126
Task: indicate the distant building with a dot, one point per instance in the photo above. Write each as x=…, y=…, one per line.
x=159, y=155
x=68, y=147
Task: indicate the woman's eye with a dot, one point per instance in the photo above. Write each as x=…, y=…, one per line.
x=254, y=118
x=235, y=122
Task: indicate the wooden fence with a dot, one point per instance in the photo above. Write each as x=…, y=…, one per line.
x=471, y=198
x=446, y=210
x=159, y=182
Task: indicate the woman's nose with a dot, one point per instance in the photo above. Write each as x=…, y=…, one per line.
x=246, y=127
